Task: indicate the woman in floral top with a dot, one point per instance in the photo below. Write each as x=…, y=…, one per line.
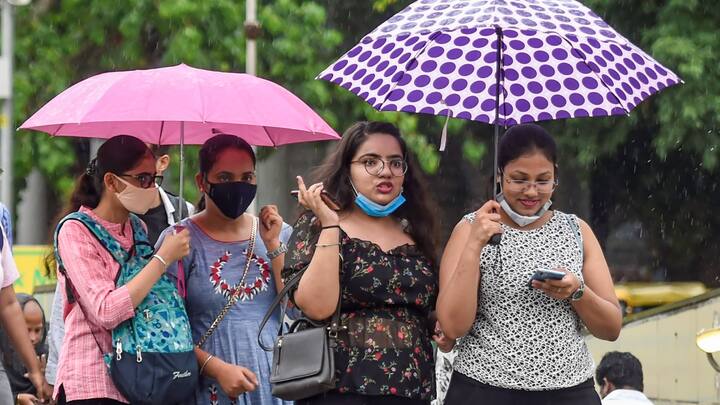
x=388, y=281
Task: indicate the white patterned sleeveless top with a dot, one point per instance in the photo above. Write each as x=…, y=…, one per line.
x=522, y=338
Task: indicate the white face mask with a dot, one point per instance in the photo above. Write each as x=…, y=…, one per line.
x=522, y=220
x=136, y=199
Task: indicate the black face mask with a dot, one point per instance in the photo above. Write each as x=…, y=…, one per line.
x=232, y=198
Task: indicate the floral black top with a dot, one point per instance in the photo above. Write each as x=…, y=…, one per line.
x=386, y=299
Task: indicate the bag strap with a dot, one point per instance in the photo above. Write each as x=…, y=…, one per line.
x=102, y=236
x=236, y=294
x=573, y=221
x=334, y=326
x=99, y=232
x=105, y=239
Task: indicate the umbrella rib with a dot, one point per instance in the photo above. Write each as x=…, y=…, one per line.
x=584, y=60
x=55, y=132
x=414, y=58
x=269, y=137
x=162, y=127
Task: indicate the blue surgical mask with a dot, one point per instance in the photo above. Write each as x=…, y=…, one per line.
x=374, y=209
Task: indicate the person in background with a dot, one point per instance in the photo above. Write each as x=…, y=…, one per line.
x=165, y=212
x=14, y=326
x=22, y=388
x=6, y=223
x=620, y=377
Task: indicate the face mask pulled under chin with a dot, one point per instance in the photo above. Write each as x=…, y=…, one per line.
x=522, y=220
x=373, y=209
x=136, y=199
x=233, y=198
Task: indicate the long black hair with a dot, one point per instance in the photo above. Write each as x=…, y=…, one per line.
x=418, y=210
x=212, y=148
x=117, y=155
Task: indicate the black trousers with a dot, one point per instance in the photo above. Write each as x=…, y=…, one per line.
x=336, y=398
x=464, y=390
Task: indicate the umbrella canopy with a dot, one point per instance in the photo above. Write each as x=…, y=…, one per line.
x=556, y=59
x=162, y=106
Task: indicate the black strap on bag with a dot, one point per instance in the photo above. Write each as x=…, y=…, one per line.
x=333, y=327
x=303, y=363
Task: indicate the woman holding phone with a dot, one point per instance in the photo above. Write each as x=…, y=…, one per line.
x=520, y=306
x=386, y=284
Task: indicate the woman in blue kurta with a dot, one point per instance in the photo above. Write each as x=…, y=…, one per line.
x=234, y=370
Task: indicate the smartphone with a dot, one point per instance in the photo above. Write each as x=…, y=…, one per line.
x=326, y=197
x=546, y=274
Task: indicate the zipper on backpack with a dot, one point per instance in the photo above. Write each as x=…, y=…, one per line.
x=138, y=354
x=118, y=350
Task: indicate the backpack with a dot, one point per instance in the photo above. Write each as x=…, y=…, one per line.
x=153, y=361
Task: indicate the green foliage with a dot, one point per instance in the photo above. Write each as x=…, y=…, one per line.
x=62, y=42
x=644, y=166
x=382, y=5
x=684, y=36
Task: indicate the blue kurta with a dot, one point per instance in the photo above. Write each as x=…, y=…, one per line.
x=212, y=269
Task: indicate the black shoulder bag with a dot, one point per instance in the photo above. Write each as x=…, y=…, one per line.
x=303, y=362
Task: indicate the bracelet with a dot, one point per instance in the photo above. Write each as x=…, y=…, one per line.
x=277, y=252
x=330, y=227
x=160, y=259
x=205, y=363
x=326, y=244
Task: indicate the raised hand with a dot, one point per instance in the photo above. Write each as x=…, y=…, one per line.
x=311, y=199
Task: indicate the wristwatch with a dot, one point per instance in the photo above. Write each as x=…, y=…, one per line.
x=579, y=292
x=277, y=252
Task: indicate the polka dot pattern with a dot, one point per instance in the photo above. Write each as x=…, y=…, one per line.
x=558, y=60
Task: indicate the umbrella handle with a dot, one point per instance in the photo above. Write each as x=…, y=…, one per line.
x=495, y=239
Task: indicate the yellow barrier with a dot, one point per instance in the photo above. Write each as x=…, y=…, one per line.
x=30, y=263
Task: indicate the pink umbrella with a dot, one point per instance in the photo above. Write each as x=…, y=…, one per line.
x=179, y=105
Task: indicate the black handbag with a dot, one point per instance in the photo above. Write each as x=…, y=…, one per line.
x=303, y=363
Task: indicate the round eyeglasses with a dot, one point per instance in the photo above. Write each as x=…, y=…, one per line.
x=146, y=180
x=520, y=186
x=375, y=166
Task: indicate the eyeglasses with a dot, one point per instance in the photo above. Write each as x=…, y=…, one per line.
x=374, y=166
x=520, y=186
x=146, y=180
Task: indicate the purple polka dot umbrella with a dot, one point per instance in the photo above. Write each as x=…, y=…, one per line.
x=501, y=62
x=557, y=60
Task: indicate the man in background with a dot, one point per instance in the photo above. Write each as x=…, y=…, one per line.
x=620, y=377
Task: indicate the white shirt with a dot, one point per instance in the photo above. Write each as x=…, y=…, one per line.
x=626, y=397
x=169, y=209
x=8, y=271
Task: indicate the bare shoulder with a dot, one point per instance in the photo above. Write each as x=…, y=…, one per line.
x=461, y=231
x=585, y=227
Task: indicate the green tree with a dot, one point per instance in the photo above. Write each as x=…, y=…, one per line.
x=62, y=42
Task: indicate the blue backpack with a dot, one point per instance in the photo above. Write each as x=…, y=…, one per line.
x=153, y=361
